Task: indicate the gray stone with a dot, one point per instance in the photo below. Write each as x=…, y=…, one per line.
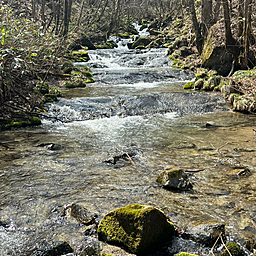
x=175, y=179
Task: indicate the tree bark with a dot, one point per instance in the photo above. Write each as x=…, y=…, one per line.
x=199, y=39
x=207, y=18
x=231, y=44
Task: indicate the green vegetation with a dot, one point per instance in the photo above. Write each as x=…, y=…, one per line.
x=138, y=228
x=5, y=125
x=232, y=249
x=185, y=254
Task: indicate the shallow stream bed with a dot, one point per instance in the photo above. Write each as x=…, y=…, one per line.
x=137, y=106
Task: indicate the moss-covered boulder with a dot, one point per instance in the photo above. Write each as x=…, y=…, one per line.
x=138, y=228
x=214, y=54
x=174, y=179
x=189, y=85
x=80, y=56
x=141, y=41
x=80, y=42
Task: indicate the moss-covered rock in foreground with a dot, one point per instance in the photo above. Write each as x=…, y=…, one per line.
x=137, y=228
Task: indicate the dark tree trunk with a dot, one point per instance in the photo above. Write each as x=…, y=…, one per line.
x=216, y=11
x=231, y=44
x=207, y=18
x=240, y=18
x=199, y=39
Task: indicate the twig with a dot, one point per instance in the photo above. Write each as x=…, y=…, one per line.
x=211, y=251
x=195, y=170
x=225, y=247
x=130, y=159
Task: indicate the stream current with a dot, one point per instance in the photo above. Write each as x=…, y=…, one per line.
x=137, y=106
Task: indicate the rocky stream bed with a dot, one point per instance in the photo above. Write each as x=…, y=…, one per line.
x=103, y=147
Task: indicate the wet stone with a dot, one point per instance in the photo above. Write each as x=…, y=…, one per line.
x=54, y=249
x=175, y=179
x=81, y=214
x=205, y=234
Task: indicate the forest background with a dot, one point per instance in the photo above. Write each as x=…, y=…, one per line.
x=38, y=38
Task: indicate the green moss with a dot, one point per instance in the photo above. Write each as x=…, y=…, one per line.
x=42, y=88
x=18, y=124
x=56, y=91
x=184, y=254
x=201, y=73
x=124, y=35
x=80, y=56
x=102, y=46
x=245, y=74
x=208, y=46
x=105, y=254
x=233, y=249
x=140, y=47
x=111, y=45
x=50, y=97
x=138, y=228
x=167, y=45
x=189, y=85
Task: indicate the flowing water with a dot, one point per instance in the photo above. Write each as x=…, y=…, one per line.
x=137, y=107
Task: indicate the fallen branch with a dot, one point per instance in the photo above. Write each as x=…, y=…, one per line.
x=130, y=159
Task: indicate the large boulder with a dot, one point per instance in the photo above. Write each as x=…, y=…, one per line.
x=175, y=179
x=215, y=56
x=82, y=41
x=142, y=41
x=137, y=228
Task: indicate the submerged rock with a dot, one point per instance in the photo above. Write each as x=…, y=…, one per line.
x=81, y=214
x=174, y=179
x=138, y=228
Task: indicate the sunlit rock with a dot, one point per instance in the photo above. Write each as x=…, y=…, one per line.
x=174, y=179
x=81, y=214
x=205, y=234
x=138, y=228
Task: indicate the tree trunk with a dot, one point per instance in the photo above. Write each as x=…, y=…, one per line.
x=216, y=11
x=231, y=43
x=199, y=39
x=207, y=18
x=66, y=16
x=43, y=13
x=240, y=18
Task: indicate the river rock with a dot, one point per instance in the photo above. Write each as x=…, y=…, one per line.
x=81, y=214
x=205, y=234
x=138, y=228
x=142, y=41
x=56, y=248
x=174, y=179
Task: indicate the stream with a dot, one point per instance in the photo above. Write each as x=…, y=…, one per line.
x=137, y=106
